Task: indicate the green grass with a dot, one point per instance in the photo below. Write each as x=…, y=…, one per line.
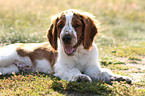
x=121, y=44
x=41, y=84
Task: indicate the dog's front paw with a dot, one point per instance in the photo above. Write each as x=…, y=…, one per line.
x=82, y=78
x=121, y=78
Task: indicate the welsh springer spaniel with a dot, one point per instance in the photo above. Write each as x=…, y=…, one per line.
x=71, y=53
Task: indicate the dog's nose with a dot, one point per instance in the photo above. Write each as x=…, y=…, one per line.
x=66, y=38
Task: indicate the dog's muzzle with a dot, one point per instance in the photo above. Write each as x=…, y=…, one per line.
x=68, y=47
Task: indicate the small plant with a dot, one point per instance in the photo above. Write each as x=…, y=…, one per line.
x=135, y=58
x=108, y=61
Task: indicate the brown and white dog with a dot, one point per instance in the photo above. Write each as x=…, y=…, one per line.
x=71, y=52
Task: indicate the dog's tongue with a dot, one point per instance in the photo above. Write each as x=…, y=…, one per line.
x=68, y=49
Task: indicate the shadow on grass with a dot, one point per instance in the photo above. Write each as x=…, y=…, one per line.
x=46, y=84
x=80, y=88
x=61, y=86
x=26, y=74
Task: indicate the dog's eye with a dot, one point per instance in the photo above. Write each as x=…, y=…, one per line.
x=60, y=25
x=76, y=25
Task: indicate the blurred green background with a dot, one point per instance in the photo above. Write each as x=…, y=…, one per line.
x=28, y=20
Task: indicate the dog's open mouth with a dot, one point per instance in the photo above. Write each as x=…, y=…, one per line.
x=69, y=50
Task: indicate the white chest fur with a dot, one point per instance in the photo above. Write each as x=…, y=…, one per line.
x=81, y=59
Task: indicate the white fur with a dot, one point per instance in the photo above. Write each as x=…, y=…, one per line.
x=43, y=66
x=68, y=28
x=83, y=61
x=7, y=55
x=23, y=63
x=9, y=69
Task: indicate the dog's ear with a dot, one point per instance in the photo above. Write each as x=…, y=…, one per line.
x=90, y=31
x=52, y=34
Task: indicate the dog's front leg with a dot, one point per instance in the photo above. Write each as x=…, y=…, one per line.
x=103, y=74
x=70, y=73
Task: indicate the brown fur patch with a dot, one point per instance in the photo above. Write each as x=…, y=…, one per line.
x=89, y=28
x=37, y=51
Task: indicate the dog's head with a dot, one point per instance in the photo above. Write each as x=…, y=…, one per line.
x=73, y=28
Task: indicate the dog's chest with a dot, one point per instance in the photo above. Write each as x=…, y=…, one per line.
x=81, y=59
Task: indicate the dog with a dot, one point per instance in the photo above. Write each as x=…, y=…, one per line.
x=70, y=53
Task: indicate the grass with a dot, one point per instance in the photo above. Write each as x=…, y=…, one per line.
x=42, y=84
x=121, y=44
